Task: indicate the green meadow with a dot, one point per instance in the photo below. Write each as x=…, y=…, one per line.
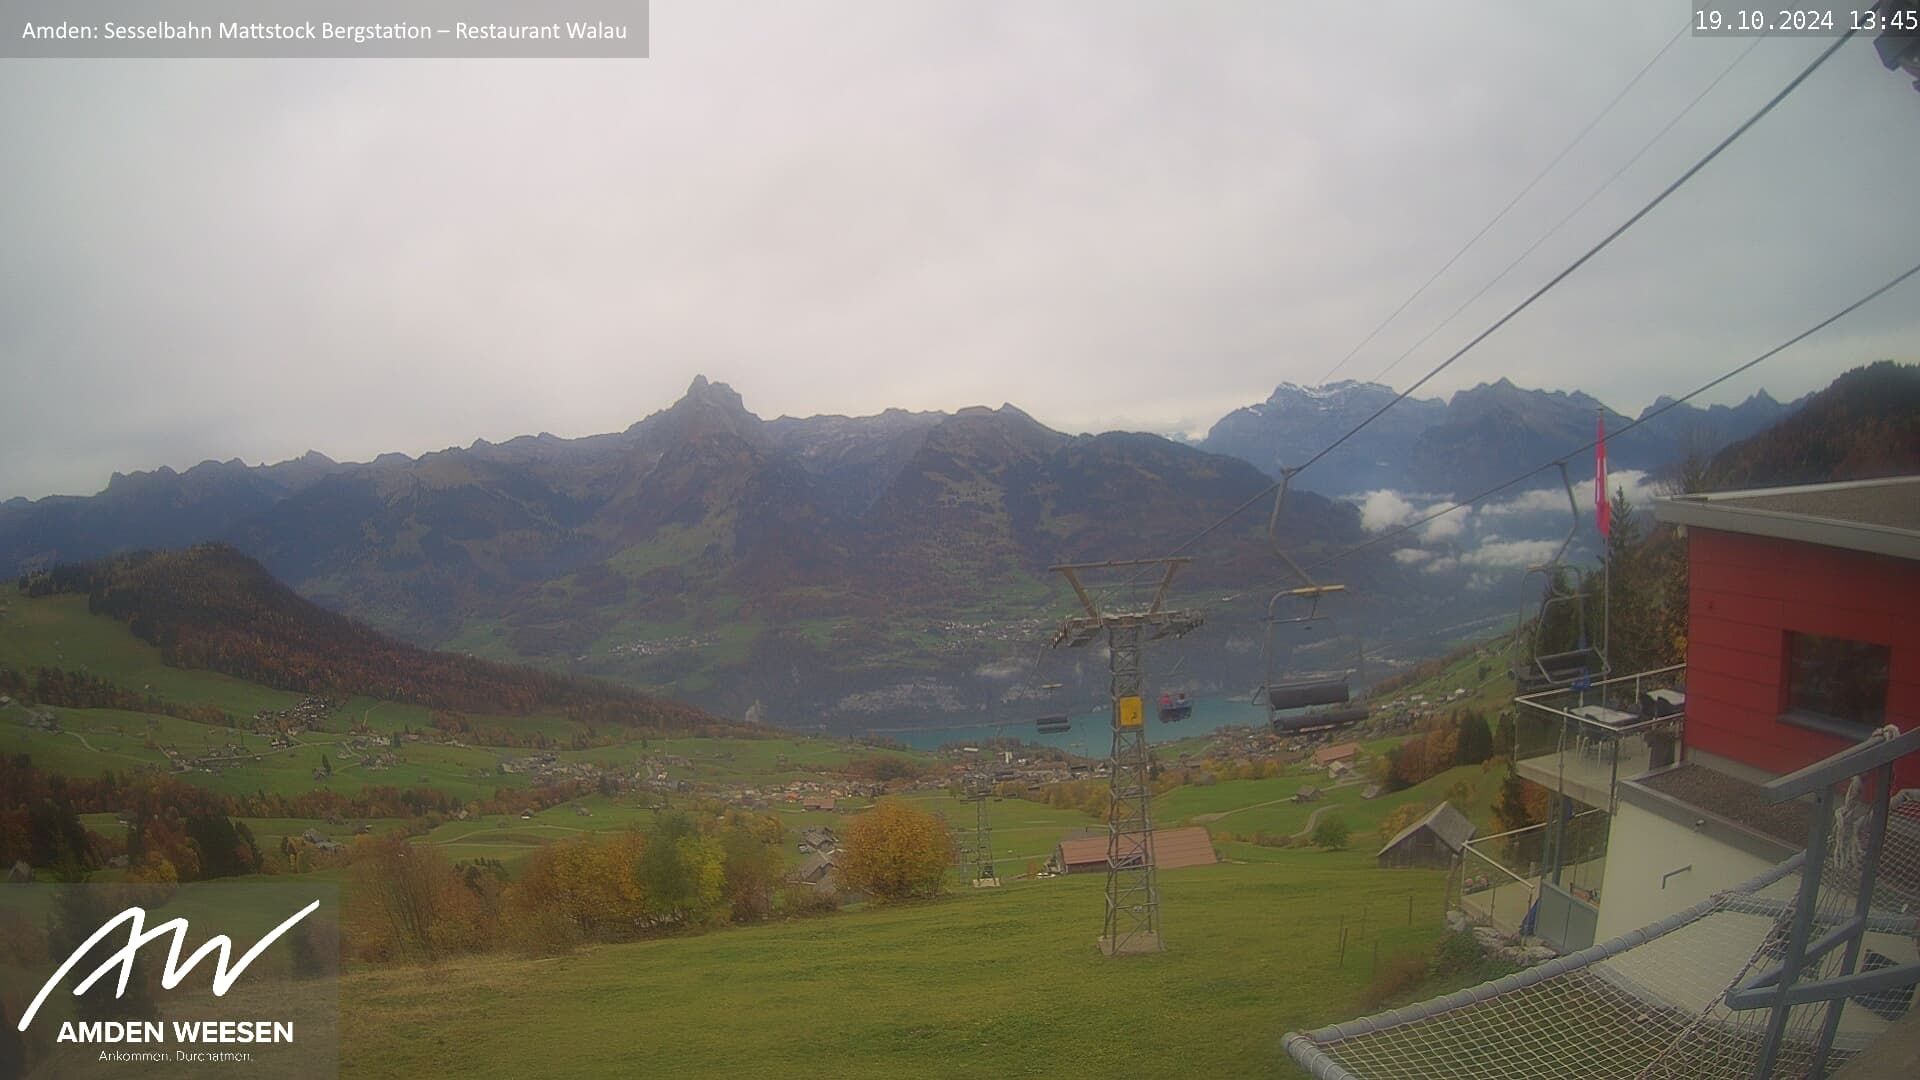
x=998, y=982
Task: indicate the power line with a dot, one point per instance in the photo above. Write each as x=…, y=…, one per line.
x=1511, y=203
x=1596, y=249
x=1649, y=415
x=1575, y=212
x=1770, y=105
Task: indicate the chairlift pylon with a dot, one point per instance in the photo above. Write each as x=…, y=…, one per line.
x=1277, y=694
x=1579, y=666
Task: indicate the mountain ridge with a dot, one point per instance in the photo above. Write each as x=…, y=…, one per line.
x=1470, y=440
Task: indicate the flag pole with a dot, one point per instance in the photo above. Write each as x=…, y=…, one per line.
x=1604, y=519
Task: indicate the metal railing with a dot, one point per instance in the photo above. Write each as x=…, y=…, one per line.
x=1858, y=859
x=1500, y=875
x=1600, y=734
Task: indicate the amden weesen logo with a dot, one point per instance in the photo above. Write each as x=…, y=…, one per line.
x=138, y=936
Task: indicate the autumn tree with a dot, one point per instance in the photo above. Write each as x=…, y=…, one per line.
x=681, y=872
x=750, y=870
x=578, y=890
x=1401, y=817
x=407, y=900
x=896, y=851
x=1518, y=805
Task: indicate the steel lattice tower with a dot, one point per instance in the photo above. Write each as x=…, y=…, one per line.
x=983, y=843
x=977, y=789
x=1133, y=897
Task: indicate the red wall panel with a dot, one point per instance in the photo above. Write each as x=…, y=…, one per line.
x=1745, y=594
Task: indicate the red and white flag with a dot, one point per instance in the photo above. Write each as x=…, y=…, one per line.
x=1602, y=507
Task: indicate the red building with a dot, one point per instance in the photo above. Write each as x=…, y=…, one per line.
x=1803, y=620
x=1803, y=638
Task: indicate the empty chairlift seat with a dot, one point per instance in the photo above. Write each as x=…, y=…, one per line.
x=1577, y=667
x=1053, y=725
x=1319, y=720
x=1304, y=693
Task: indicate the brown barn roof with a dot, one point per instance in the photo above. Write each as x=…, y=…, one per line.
x=1328, y=755
x=1172, y=849
x=1090, y=849
x=1175, y=848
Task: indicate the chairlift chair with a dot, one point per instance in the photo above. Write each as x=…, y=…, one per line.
x=1301, y=691
x=1175, y=705
x=1052, y=723
x=1579, y=666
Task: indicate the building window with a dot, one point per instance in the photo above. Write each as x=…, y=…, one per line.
x=1837, y=679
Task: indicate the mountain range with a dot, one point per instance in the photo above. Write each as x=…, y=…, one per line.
x=1469, y=442
x=826, y=564
x=845, y=569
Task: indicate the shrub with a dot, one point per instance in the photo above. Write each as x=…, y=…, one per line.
x=1399, y=975
x=1331, y=834
x=798, y=900
x=1457, y=952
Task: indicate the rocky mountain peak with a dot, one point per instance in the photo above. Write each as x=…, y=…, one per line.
x=716, y=394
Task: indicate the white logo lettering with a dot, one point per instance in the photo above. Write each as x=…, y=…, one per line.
x=137, y=936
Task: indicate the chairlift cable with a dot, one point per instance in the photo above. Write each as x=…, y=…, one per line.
x=1575, y=212
x=1596, y=249
x=1623, y=429
x=1553, y=282
x=1511, y=203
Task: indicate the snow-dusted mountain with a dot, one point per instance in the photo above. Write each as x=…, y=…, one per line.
x=1296, y=421
x=1464, y=444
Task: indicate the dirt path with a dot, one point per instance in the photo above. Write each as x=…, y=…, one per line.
x=1312, y=820
x=1206, y=819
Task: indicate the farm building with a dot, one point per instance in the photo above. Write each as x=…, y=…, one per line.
x=1434, y=840
x=1327, y=755
x=815, y=869
x=1309, y=793
x=1172, y=850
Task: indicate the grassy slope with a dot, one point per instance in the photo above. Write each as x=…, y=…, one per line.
x=1000, y=982
x=1246, y=807
x=59, y=632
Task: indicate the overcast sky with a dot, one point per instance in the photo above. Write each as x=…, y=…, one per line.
x=1110, y=214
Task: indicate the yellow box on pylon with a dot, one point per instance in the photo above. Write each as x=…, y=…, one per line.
x=1130, y=712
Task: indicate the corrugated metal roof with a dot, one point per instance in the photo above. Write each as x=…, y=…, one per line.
x=1175, y=848
x=1879, y=516
x=1172, y=849
x=1083, y=851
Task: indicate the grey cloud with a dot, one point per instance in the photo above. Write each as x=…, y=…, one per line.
x=1136, y=213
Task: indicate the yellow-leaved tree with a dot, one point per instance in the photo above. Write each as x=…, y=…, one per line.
x=896, y=852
